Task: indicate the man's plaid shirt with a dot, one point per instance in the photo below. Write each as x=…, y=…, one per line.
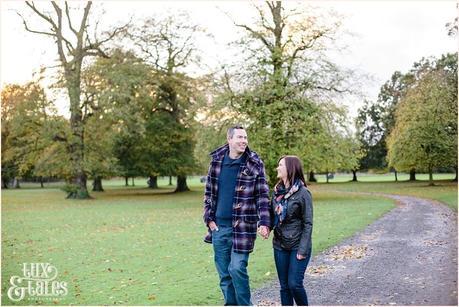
x=251, y=199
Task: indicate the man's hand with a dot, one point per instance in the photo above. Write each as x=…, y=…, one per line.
x=264, y=232
x=213, y=226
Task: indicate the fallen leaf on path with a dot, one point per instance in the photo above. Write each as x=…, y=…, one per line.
x=435, y=242
x=318, y=270
x=349, y=252
x=268, y=303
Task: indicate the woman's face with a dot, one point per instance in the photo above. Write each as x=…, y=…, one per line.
x=282, y=170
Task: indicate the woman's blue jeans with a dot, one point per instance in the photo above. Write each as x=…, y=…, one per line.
x=231, y=267
x=291, y=275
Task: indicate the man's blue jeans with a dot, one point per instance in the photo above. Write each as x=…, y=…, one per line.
x=291, y=275
x=231, y=267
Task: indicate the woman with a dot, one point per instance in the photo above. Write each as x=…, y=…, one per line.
x=291, y=208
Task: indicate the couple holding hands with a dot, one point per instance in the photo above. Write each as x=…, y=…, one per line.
x=237, y=204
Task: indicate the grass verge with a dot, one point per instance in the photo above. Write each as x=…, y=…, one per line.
x=135, y=246
x=444, y=191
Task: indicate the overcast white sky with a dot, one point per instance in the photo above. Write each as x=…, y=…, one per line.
x=389, y=35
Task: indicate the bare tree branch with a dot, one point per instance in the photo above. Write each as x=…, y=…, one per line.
x=53, y=24
x=185, y=44
x=34, y=31
x=67, y=12
x=227, y=83
x=47, y=18
x=276, y=11
x=264, y=23
x=183, y=62
x=96, y=46
x=97, y=52
x=333, y=89
x=80, y=110
x=85, y=18
x=68, y=44
x=59, y=35
x=257, y=35
x=302, y=47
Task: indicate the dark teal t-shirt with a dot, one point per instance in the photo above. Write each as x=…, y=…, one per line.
x=226, y=187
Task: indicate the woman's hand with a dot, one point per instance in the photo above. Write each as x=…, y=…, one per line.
x=300, y=257
x=264, y=232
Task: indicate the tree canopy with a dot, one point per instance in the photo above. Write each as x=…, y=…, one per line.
x=425, y=131
x=138, y=107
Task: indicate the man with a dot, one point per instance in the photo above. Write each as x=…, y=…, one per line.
x=235, y=199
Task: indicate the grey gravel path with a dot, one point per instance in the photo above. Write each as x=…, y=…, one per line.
x=407, y=257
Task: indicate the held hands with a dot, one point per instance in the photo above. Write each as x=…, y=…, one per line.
x=213, y=226
x=264, y=232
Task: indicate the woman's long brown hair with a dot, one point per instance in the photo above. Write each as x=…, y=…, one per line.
x=294, y=168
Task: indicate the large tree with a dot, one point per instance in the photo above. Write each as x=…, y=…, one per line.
x=117, y=95
x=11, y=97
x=372, y=134
x=74, y=43
x=28, y=117
x=425, y=132
x=278, y=89
x=336, y=148
x=168, y=44
x=375, y=120
x=53, y=161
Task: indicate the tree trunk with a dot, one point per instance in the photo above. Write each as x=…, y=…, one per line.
x=455, y=178
x=97, y=184
x=71, y=64
x=170, y=180
x=312, y=177
x=412, y=174
x=76, y=142
x=16, y=183
x=41, y=182
x=431, y=182
x=326, y=175
x=80, y=191
x=153, y=182
x=396, y=178
x=126, y=179
x=4, y=184
x=276, y=54
x=181, y=184
x=354, y=175
x=132, y=181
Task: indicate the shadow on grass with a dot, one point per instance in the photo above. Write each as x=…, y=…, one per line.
x=147, y=192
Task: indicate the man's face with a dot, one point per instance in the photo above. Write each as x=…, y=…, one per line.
x=238, y=143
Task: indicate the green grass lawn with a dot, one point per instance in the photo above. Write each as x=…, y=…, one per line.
x=116, y=182
x=389, y=177
x=135, y=246
x=194, y=180
x=444, y=191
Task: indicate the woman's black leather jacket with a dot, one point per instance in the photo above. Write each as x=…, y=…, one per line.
x=296, y=229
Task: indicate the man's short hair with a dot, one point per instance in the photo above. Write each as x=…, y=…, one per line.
x=230, y=131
